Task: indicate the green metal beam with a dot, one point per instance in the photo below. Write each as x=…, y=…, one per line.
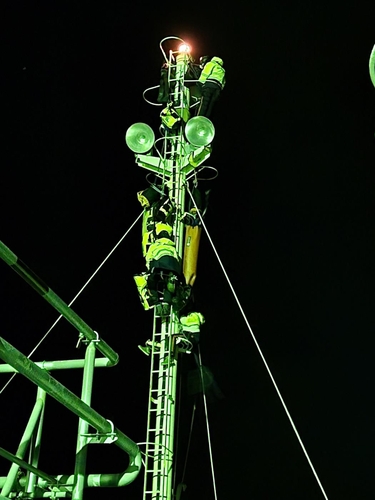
x=64, y=396
x=24, y=445
x=35, y=282
x=9, y=456
x=83, y=426
x=59, y=365
x=34, y=451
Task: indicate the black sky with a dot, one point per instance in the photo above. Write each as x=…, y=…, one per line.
x=291, y=215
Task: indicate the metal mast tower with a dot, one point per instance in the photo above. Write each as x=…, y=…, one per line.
x=174, y=159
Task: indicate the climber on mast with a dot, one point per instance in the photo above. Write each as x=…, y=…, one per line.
x=212, y=81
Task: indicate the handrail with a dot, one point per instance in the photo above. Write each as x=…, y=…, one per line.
x=65, y=364
x=33, y=280
x=64, y=396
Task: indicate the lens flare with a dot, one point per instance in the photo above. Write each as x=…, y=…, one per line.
x=184, y=48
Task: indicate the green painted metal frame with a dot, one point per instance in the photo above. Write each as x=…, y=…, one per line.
x=107, y=432
x=37, y=483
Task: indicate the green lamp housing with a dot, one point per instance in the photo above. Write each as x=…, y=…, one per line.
x=140, y=138
x=199, y=131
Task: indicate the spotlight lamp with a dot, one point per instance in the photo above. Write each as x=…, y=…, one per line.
x=372, y=65
x=140, y=138
x=199, y=131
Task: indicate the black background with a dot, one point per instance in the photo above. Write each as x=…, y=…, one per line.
x=291, y=216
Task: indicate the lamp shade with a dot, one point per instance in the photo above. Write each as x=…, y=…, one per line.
x=199, y=131
x=372, y=66
x=140, y=137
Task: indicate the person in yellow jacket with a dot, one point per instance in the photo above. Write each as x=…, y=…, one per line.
x=162, y=253
x=212, y=82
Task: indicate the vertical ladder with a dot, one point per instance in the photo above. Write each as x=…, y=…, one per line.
x=161, y=408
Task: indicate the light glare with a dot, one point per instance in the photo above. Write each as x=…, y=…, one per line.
x=184, y=48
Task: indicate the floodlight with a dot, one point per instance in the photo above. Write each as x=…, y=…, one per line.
x=372, y=65
x=184, y=48
x=199, y=131
x=140, y=138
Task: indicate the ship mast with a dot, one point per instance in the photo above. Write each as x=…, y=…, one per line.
x=185, y=145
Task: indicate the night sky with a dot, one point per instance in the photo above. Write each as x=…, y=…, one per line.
x=291, y=216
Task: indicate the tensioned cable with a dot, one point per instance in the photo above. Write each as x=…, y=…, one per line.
x=78, y=294
x=177, y=431
x=260, y=351
x=207, y=424
x=189, y=441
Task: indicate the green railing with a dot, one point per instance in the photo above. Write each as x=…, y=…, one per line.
x=37, y=483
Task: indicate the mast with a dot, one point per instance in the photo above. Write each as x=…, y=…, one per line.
x=174, y=159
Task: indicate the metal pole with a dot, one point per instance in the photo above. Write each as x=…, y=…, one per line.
x=35, y=282
x=35, y=446
x=83, y=426
x=59, y=365
x=23, y=446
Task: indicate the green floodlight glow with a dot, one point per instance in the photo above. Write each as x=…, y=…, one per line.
x=199, y=131
x=140, y=138
x=372, y=66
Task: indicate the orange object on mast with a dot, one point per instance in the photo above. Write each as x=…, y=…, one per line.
x=191, y=249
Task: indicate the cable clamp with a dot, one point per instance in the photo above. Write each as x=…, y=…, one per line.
x=102, y=438
x=97, y=337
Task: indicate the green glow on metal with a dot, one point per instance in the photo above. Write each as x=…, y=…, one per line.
x=33, y=280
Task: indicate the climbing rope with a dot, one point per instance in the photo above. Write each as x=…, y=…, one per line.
x=260, y=351
x=78, y=294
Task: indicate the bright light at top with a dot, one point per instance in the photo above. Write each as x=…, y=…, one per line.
x=184, y=48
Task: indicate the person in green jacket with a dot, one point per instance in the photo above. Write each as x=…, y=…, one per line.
x=212, y=82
